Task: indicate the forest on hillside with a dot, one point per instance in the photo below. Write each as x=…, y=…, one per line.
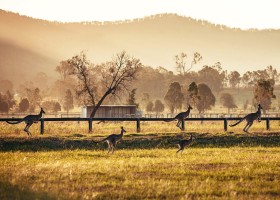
x=152, y=89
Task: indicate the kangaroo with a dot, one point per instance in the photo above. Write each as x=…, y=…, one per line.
x=113, y=139
x=250, y=118
x=180, y=117
x=183, y=143
x=29, y=120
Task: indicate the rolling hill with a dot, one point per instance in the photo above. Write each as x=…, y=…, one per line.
x=28, y=46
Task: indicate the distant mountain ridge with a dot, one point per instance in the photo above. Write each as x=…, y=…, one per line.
x=29, y=45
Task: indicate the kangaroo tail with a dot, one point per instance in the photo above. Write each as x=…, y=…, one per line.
x=102, y=121
x=231, y=125
x=172, y=142
x=169, y=120
x=100, y=140
x=17, y=122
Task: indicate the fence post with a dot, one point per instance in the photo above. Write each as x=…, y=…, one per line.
x=138, y=129
x=183, y=124
x=42, y=126
x=225, y=124
x=267, y=124
x=90, y=125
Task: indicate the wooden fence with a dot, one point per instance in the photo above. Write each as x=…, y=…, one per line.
x=137, y=121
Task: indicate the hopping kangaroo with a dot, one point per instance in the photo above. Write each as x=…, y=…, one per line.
x=113, y=139
x=180, y=117
x=29, y=120
x=250, y=118
x=183, y=143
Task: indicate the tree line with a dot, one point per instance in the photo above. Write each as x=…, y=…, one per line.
x=125, y=80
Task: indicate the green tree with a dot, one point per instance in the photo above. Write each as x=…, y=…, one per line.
x=174, y=97
x=159, y=106
x=213, y=76
x=228, y=101
x=145, y=99
x=207, y=99
x=193, y=94
x=4, y=107
x=149, y=107
x=23, y=105
x=131, y=98
x=34, y=98
x=51, y=106
x=234, y=79
x=68, y=103
x=263, y=93
x=8, y=99
x=56, y=107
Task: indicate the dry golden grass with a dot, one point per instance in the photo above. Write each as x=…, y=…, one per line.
x=58, y=128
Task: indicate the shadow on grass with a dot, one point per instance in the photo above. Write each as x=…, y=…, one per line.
x=137, y=142
x=9, y=191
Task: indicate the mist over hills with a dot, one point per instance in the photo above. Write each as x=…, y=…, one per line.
x=28, y=46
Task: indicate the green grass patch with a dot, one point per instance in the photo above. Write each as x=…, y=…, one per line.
x=199, y=173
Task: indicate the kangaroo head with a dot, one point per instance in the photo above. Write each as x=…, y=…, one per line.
x=42, y=111
x=123, y=129
x=190, y=107
x=259, y=106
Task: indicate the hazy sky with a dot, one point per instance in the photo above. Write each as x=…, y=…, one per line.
x=233, y=13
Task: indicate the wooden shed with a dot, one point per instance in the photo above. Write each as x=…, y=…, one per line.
x=111, y=111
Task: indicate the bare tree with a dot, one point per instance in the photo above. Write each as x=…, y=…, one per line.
x=114, y=76
x=181, y=63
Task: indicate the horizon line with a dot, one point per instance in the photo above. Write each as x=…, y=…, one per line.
x=131, y=20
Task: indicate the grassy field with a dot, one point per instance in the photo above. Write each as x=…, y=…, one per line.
x=64, y=163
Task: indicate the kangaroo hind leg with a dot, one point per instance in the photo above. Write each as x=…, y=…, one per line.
x=249, y=125
x=113, y=146
x=26, y=129
x=179, y=124
x=109, y=146
x=180, y=149
x=245, y=128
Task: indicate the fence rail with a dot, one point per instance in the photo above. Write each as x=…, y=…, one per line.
x=137, y=120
